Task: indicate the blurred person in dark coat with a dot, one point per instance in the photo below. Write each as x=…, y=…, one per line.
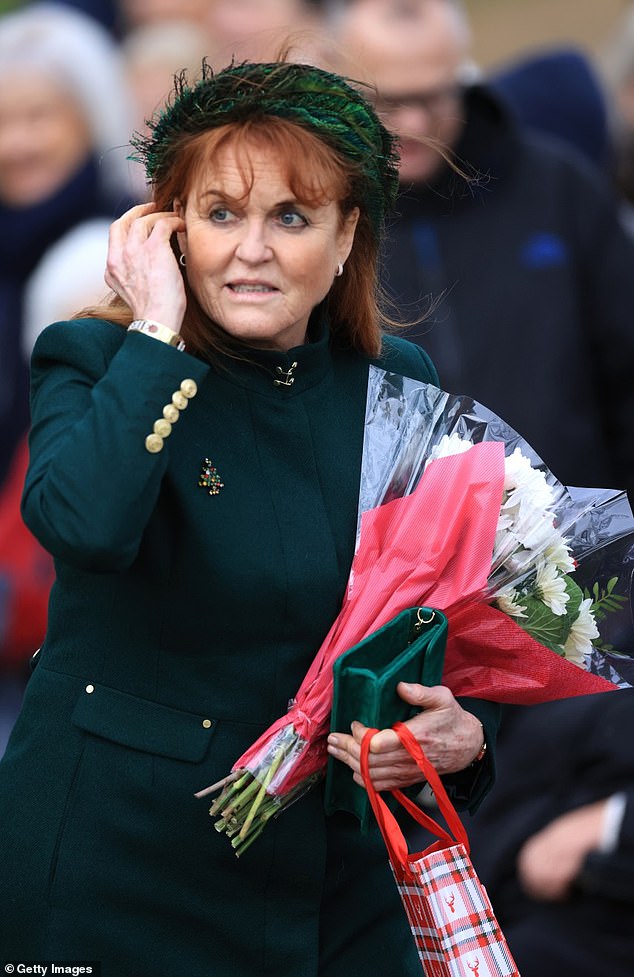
x=69, y=276
x=527, y=266
x=554, y=842
x=63, y=133
x=580, y=114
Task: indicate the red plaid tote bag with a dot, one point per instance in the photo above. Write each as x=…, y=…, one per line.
x=449, y=912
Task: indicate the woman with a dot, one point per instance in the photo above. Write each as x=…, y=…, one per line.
x=185, y=615
x=64, y=120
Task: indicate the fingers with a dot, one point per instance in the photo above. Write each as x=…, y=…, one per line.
x=424, y=696
x=385, y=741
x=161, y=223
x=550, y=861
x=449, y=735
x=385, y=745
x=140, y=223
x=390, y=767
x=141, y=266
x=544, y=873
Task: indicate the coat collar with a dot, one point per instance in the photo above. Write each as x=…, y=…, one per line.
x=282, y=375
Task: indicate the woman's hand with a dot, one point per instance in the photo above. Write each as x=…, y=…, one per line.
x=142, y=268
x=449, y=736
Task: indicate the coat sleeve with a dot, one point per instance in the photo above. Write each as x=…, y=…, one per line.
x=92, y=484
x=402, y=356
x=610, y=875
x=468, y=787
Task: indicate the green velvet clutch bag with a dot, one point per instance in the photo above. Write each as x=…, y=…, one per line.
x=409, y=648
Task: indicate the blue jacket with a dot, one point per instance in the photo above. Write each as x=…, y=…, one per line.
x=533, y=280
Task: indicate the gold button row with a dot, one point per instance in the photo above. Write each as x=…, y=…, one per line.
x=162, y=428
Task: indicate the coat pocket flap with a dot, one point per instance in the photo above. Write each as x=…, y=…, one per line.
x=142, y=724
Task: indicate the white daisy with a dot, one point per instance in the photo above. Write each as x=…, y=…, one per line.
x=450, y=444
x=528, y=485
x=583, y=631
x=508, y=603
x=550, y=586
x=558, y=552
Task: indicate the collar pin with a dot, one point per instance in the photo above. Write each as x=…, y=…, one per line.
x=286, y=377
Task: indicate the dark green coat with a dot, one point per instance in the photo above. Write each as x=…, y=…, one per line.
x=180, y=625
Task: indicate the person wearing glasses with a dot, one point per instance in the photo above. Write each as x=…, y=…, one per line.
x=511, y=238
x=195, y=462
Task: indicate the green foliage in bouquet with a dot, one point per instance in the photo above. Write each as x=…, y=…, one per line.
x=605, y=600
x=551, y=630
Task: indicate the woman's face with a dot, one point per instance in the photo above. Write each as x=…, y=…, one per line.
x=259, y=265
x=44, y=139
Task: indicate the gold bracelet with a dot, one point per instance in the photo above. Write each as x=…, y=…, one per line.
x=157, y=331
x=483, y=749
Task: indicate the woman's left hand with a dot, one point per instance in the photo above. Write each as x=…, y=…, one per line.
x=449, y=736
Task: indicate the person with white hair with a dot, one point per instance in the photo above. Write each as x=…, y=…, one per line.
x=153, y=53
x=255, y=29
x=64, y=127
x=70, y=276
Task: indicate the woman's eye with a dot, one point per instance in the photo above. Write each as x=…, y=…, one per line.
x=291, y=218
x=221, y=215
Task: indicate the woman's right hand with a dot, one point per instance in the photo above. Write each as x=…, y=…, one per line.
x=142, y=268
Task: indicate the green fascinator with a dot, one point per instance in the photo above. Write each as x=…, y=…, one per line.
x=320, y=101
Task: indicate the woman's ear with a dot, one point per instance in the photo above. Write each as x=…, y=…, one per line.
x=346, y=234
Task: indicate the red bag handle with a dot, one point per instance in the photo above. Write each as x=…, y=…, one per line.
x=390, y=829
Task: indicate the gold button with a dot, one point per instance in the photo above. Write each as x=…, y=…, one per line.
x=154, y=443
x=162, y=427
x=207, y=723
x=179, y=400
x=90, y=688
x=189, y=388
x=170, y=413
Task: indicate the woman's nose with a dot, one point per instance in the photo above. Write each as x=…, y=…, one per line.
x=254, y=245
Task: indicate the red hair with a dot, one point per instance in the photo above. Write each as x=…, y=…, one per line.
x=316, y=174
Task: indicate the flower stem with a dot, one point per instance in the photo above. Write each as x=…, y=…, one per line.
x=241, y=844
x=277, y=759
x=232, y=789
x=241, y=799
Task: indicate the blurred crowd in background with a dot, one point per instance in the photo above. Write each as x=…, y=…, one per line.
x=513, y=241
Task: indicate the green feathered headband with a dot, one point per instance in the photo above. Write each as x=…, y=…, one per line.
x=322, y=102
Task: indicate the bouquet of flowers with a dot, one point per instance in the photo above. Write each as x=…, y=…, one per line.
x=456, y=512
